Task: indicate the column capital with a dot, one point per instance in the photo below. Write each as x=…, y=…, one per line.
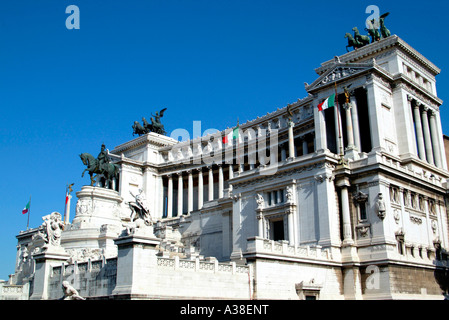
x=200, y=169
x=179, y=173
x=425, y=108
x=347, y=106
x=410, y=98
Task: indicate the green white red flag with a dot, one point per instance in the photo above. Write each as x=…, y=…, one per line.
x=27, y=208
x=234, y=134
x=329, y=102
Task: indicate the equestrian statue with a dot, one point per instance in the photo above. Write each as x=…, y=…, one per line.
x=100, y=166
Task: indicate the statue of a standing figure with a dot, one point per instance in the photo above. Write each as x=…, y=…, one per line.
x=156, y=123
x=139, y=208
x=53, y=226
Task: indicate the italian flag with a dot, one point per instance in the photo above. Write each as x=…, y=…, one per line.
x=27, y=208
x=234, y=134
x=329, y=102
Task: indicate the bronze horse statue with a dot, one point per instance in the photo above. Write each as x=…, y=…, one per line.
x=108, y=170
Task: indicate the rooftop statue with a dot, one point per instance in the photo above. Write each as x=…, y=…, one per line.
x=70, y=293
x=155, y=126
x=139, y=208
x=52, y=229
x=101, y=166
x=383, y=30
x=376, y=30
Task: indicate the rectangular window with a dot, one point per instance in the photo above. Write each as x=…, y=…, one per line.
x=363, y=211
x=278, y=230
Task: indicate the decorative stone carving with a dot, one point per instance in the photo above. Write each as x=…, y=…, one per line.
x=139, y=208
x=363, y=230
x=289, y=194
x=434, y=226
x=52, y=229
x=396, y=216
x=260, y=201
x=70, y=293
x=380, y=204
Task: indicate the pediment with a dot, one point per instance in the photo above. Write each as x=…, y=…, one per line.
x=337, y=72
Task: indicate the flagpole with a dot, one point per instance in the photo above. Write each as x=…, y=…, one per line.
x=238, y=144
x=29, y=210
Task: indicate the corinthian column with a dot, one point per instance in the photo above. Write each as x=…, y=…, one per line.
x=291, y=141
x=349, y=129
x=211, y=184
x=427, y=140
x=180, y=194
x=190, y=193
x=347, y=229
x=170, y=197
x=200, y=188
x=355, y=123
x=220, y=181
x=419, y=133
x=435, y=139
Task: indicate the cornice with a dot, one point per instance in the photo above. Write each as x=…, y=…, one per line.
x=377, y=47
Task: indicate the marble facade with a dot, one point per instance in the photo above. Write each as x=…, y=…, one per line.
x=336, y=204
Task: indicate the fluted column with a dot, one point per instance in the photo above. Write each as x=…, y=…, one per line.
x=427, y=140
x=200, y=188
x=291, y=140
x=231, y=171
x=349, y=129
x=419, y=133
x=170, y=197
x=220, y=181
x=180, y=194
x=435, y=139
x=346, y=216
x=355, y=123
x=190, y=192
x=305, y=149
x=211, y=184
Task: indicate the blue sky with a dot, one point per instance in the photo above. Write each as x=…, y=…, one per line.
x=64, y=92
